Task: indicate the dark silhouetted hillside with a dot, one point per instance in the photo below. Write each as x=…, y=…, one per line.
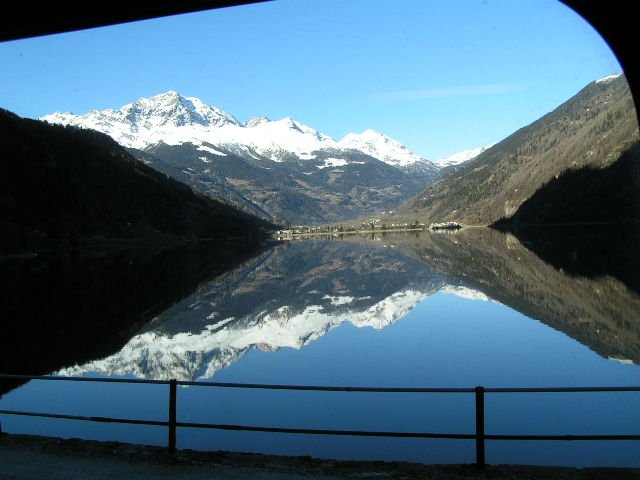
x=587, y=221
x=63, y=186
x=587, y=195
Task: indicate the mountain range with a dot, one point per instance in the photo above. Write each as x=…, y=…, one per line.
x=290, y=173
x=282, y=170
x=173, y=119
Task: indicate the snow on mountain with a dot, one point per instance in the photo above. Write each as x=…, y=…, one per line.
x=191, y=356
x=380, y=146
x=334, y=162
x=173, y=119
x=461, y=157
x=465, y=292
x=172, y=109
x=149, y=120
x=389, y=310
x=275, y=138
x=255, y=121
x=608, y=78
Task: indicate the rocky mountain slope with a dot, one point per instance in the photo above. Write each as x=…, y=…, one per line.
x=594, y=128
x=282, y=170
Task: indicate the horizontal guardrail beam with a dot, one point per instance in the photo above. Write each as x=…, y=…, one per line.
x=565, y=438
x=82, y=379
x=85, y=418
x=560, y=389
x=316, y=431
x=320, y=388
x=249, y=428
x=267, y=386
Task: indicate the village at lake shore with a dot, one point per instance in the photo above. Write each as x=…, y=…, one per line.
x=366, y=227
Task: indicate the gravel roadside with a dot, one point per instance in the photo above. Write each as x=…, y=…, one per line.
x=24, y=457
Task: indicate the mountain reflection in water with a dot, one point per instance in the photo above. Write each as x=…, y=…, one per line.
x=601, y=312
x=298, y=291
x=65, y=308
x=287, y=297
x=459, y=309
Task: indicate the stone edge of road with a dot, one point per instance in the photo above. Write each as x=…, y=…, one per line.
x=118, y=452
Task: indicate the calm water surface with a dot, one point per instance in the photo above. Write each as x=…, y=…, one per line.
x=477, y=308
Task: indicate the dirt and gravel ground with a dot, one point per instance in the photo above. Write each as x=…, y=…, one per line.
x=34, y=458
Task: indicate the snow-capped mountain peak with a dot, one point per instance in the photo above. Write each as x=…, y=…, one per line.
x=274, y=139
x=382, y=147
x=255, y=121
x=290, y=123
x=172, y=109
x=608, y=78
x=150, y=120
x=370, y=140
x=461, y=157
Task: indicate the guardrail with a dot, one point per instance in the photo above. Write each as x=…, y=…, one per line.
x=480, y=436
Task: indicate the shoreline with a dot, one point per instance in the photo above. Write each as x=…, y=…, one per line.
x=32, y=457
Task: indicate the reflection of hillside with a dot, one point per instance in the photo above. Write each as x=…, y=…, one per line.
x=601, y=313
x=586, y=221
x=64, y=309
x=288, y=297
x=588, y=250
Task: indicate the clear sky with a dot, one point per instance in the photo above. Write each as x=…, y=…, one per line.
x=440, y=76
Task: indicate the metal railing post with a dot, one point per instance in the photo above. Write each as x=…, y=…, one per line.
x=480, y=454
x=172, y=415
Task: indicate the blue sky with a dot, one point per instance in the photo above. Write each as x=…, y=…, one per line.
x=439, y=76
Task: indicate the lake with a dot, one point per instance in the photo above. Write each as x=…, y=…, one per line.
x=416, y=310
